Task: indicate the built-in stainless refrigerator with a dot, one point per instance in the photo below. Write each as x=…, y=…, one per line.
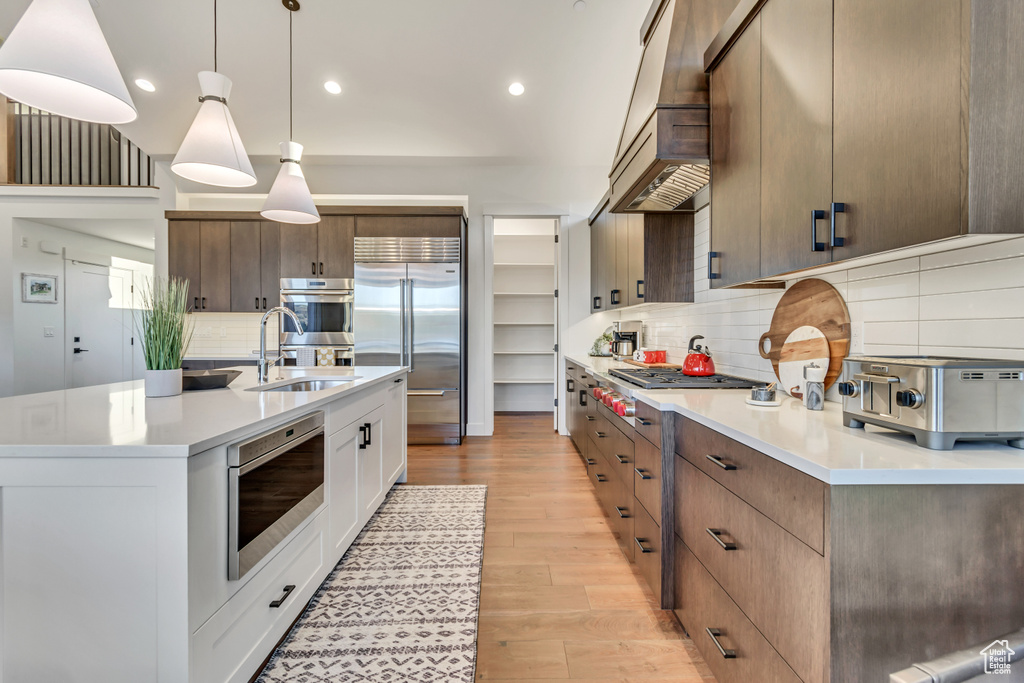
x=410, y=312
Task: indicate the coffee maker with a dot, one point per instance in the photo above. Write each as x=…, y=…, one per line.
x=627, y=337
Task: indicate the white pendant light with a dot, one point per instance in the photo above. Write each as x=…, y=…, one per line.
x=289, y=200
x=57, y=60
x=212, y=152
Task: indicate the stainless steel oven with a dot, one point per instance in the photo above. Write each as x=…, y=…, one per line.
x=276, y=482
x=324, y=306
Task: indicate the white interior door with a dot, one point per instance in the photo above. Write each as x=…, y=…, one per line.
x=98, y=325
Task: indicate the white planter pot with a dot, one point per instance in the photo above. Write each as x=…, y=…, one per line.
x=163, y=383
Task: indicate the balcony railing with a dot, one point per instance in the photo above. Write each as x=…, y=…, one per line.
x=47, y=149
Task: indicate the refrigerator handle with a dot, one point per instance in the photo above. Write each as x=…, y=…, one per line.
x=401, y=317
x=412, y=327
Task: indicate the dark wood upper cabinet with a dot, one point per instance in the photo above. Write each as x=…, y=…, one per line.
x=408, y=226
x=598, y=259
x=897, y=122
x=215, y=266
x=736, y=162
x=336, y=246
x=300, y=257
x=637, y=250
x=246, y=283
x=667, y=257
x=796, y=134
x=270, y=265
x=183, y=254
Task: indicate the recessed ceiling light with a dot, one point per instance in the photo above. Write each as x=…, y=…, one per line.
x=579, y=5
x=145, y=85
x=516, y=89
x=332, y=87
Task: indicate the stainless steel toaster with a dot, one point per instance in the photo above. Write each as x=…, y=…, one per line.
x=938, y=400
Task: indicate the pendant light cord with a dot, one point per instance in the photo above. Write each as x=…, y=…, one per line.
x=291, y=85
x=214, y=35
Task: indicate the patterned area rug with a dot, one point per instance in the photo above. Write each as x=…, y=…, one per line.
x=402, y=604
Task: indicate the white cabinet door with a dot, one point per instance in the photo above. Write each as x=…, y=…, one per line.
x=371, y=467
x=342, y=488
x=394, y=438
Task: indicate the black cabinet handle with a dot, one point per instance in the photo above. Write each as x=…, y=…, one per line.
x=284, y=596
x=837, y=207
x=597, y=303
x=204, y=302
x=569, y=386
x=583, y=397
x=717, y=535
x=816, y=215
x=369, y=432
x=721, y=463
x=615, y=298
x=601, y=478
x=362, y=440
x=314, y=268
x=623, y=512
x=398, y=381
x=257, y=303
x=642, y=473
x=715, y=633
x=195, y=306
x=78, y=350
x=321, y=267
x=622, y=459
x=264, y=303
x=640, y=289
x=712, y=275
x=645, y=423
x=640, y=543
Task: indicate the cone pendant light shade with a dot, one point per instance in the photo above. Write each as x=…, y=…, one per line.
x=289, y=200
x=57, y=60
x=212, y=152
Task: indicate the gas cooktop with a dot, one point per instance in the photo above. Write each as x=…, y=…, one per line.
x=661, y=378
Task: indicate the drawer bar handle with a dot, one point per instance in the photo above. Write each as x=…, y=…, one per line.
x=590, y=418
x=623, y=512
x=718, y=461
x=622, y=459
x=717, y=535
x=601, y=478
x=591, y=461
x=642, y=473
x=643, y=548
x=715, y=633
x=600, y=435
x=284, y=596
x=645, y=423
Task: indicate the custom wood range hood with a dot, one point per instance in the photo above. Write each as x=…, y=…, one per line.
x=662, y=162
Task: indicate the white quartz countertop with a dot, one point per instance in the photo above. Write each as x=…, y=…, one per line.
x=118, y=420
x=818, y=444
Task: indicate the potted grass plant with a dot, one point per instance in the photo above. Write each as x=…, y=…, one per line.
x=165, y=332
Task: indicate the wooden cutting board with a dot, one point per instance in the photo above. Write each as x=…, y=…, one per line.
x=661, y=366
x=804, y=346
x=815, y=303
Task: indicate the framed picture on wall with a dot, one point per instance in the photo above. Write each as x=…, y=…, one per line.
x=38, y=289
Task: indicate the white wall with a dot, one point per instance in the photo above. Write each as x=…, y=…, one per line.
x=38, y=204
x=494, y=190
x=962, y=301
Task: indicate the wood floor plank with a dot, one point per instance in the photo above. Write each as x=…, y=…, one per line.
x=530, y=539
x=634, y=659
x=517, y=660
x=598, y=625
x=534, y=598
x=499, y=539
x=516, y=575
x=614, y=574
x=617, y=597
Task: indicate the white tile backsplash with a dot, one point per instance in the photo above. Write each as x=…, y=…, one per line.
x=964, y=302
x=229, y=334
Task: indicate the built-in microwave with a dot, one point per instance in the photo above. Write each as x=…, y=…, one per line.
x=275, y=484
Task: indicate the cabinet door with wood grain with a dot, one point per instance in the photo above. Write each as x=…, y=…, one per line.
x=796, y=134
x=736, y=161
x=598, y=277
x=183, y=257
x=215, y=266
x=245, y=267
x=337, y=247
x=897, y=123
x=620, y=284
x=299, y=254
x=270, y=265
x=635, y=272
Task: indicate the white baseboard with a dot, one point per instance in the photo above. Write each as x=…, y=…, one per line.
x=478, y=429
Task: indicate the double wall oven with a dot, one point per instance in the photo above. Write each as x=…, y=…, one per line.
x=325, y=308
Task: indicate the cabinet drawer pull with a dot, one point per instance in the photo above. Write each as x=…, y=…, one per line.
x=284, y=596
x=622, y=459
x=717, y=535
x=623, y=512
x=321, y=267
x=715, y=633
x=264, y=303
x=569, y=386
x=645, y=423
x=640, y=544
x=642, y=473
x=257, y=303
x=204, y=302
x=369, y=431
x=363, y=438
x=837, y=207
x=590, y=418
x=591, y=461
x=616, y=299
x=601, y=435
x=721, y=463
x=640, y=289
x=583, y=397
x=816, y=215
x=314, y=268
x=712, y=275
x=601, y=478
x=195, y=307
x=597, y=303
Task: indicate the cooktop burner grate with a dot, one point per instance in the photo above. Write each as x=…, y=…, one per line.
x=663, y=378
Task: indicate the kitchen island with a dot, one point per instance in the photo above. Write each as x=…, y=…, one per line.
x=792, y=548
x=117, y=510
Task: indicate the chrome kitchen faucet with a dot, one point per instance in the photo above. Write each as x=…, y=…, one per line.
x=263, y=368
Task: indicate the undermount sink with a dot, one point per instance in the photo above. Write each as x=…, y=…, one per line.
x=307, y=384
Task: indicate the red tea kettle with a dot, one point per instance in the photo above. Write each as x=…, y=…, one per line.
x=698, y=361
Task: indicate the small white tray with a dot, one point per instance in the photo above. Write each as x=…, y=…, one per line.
x=764, y=404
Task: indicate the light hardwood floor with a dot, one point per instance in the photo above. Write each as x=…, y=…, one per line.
x=558, y=600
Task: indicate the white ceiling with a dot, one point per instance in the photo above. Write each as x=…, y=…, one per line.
x=420, y=78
